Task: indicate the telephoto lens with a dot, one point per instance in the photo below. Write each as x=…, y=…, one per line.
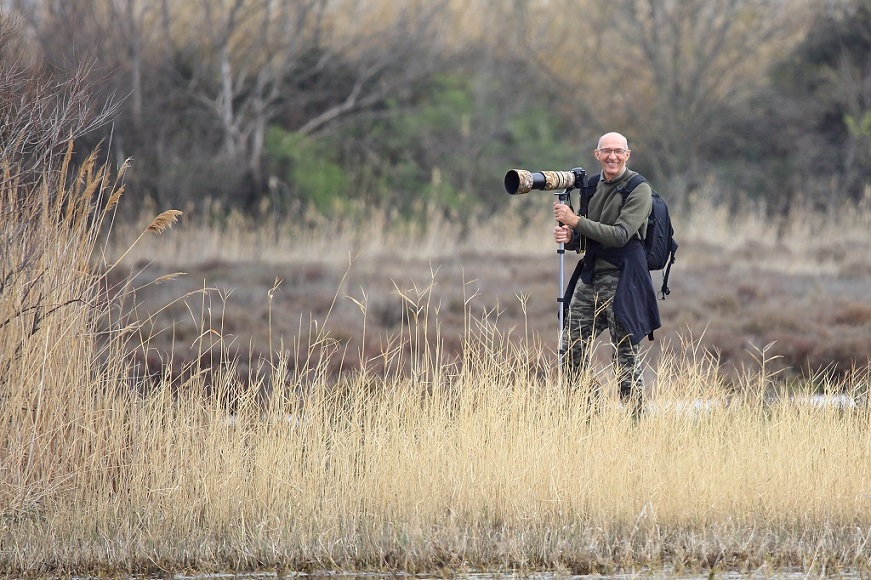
x=519, y=181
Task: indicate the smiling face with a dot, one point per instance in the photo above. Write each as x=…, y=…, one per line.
x=612, y=153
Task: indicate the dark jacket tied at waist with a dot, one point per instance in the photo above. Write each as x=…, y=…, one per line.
x=635, y=303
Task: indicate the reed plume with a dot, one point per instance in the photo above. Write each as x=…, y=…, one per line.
x=163, y=221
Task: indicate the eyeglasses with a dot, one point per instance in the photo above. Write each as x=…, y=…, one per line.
x=617, y=152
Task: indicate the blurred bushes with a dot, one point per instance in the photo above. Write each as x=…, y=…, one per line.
x=334, y=104
x=305, y=170
x=447, y=149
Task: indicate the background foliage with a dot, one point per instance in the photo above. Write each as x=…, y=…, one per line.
x=333, y=104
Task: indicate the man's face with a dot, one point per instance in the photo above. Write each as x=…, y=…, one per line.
x=613, y=152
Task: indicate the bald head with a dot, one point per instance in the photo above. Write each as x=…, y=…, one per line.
x=613, y=138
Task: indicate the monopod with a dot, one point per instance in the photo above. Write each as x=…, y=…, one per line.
x=518, y=181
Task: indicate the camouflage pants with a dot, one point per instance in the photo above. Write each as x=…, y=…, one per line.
x=590, y=313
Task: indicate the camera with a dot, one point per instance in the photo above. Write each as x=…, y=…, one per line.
x=519, y=181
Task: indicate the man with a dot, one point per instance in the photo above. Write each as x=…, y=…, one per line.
x=614, y=291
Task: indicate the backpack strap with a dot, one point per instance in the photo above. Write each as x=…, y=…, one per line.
x=672, y=248
x=630, y=185
x=588, y=188
x=593, y=181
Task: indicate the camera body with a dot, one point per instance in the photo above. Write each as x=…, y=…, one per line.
x=518, y=181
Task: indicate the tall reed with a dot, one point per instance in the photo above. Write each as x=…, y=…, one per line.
x=486, y=462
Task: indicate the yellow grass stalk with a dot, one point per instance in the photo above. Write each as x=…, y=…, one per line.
x=158, y=225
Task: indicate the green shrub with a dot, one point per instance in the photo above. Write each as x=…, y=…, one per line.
x=308, y=167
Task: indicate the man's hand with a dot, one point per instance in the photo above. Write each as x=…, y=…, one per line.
x=564, y=214
x=562, y=234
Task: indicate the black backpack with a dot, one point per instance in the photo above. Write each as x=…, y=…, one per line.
x=659, y=241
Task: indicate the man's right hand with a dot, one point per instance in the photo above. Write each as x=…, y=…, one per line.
x=562, y=234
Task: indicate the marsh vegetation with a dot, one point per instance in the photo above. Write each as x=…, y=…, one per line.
x=450, y=445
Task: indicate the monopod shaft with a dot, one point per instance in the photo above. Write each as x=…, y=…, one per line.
x=561, y=251
x=563, y=196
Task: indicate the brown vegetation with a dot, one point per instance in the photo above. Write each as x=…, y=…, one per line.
x=737, y=288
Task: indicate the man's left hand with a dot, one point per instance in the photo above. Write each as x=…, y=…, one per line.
x=564, y=214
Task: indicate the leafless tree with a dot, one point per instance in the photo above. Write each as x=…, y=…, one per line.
x=679, y=67
x=41, y=111
x=258, y=50
x=669, y=73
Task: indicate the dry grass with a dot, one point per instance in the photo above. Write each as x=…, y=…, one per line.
x=451, y=446
x=742, y=283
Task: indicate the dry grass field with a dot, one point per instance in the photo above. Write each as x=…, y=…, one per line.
x=796, y=288
x=358, y=395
